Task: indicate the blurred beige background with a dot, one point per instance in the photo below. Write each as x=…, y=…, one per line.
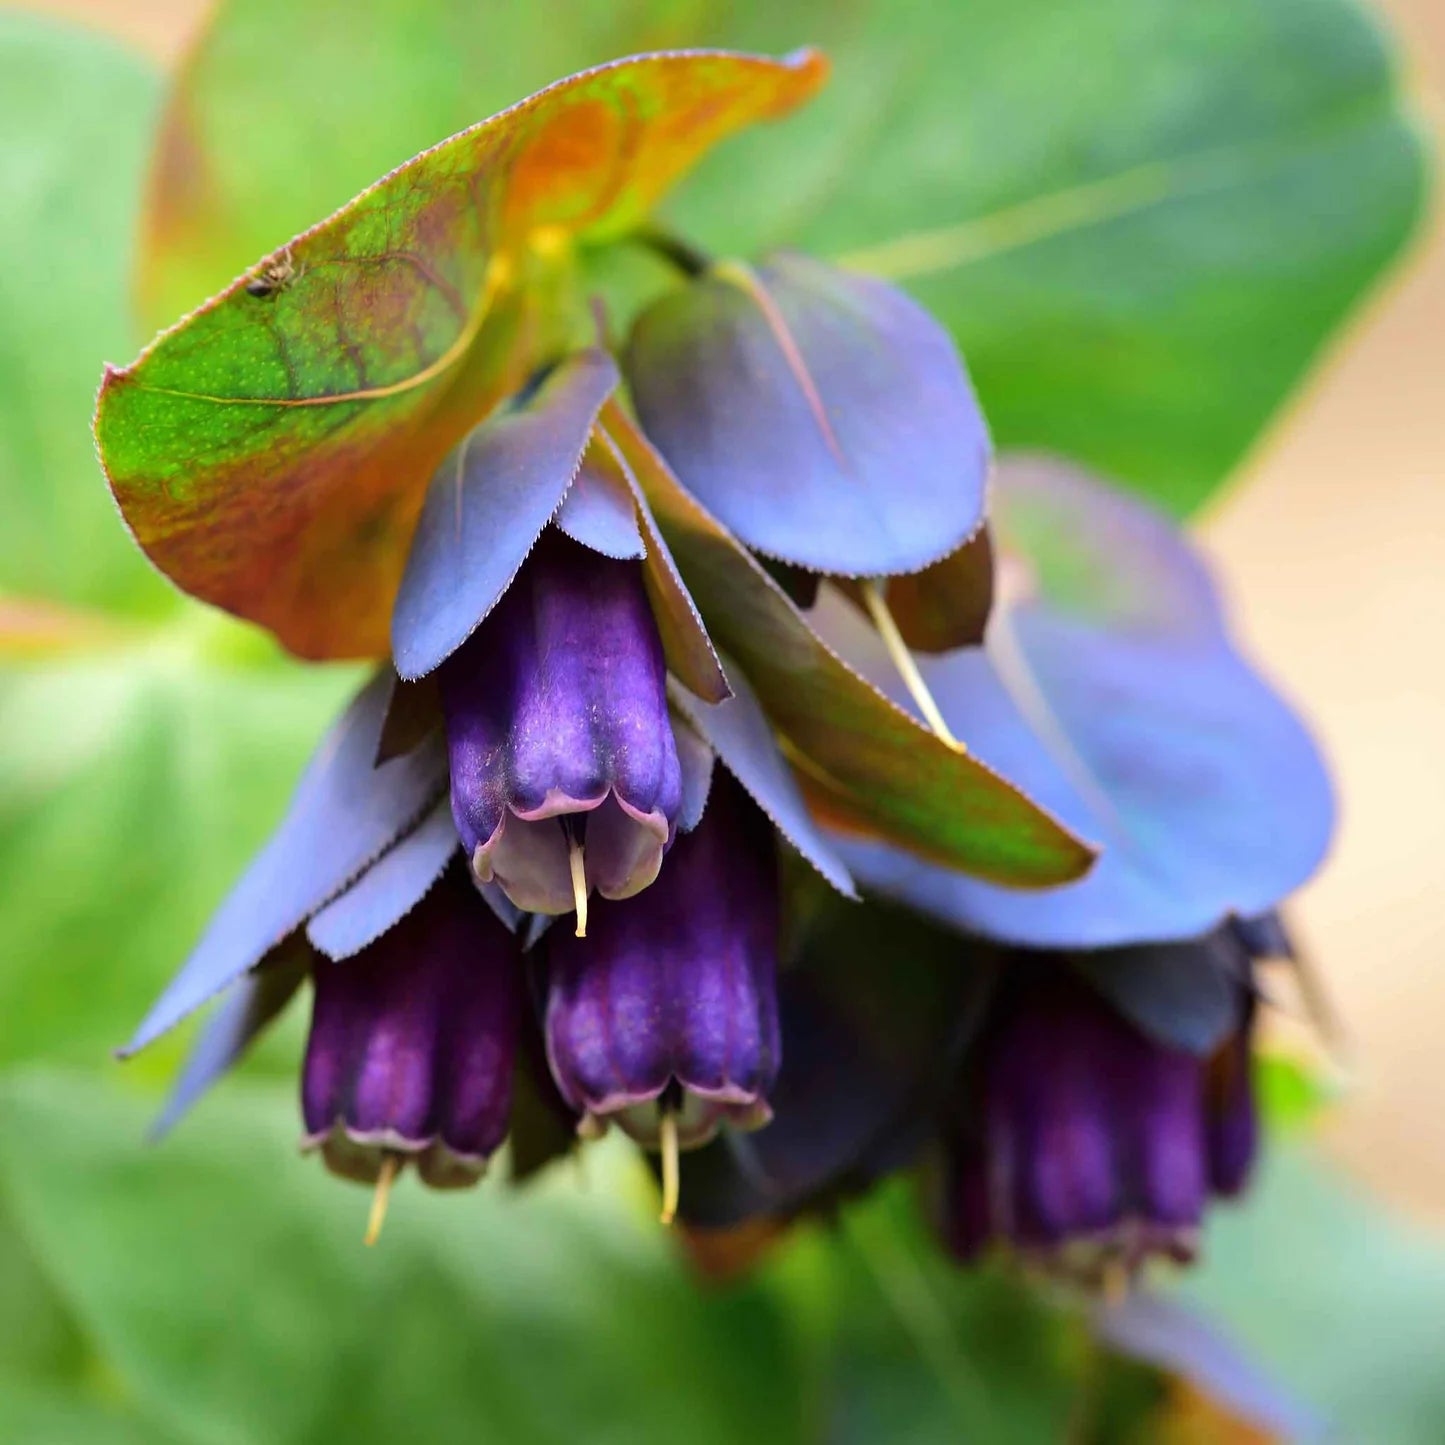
x=1333, y=548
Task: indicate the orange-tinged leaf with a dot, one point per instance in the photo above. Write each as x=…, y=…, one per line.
x=690, y=655
x=271, y=451
x=945, y=606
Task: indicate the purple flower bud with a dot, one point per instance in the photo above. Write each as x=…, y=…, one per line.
x=564, y=769
x=413, y=1041
x=669, y=1004
x=1085, y=1142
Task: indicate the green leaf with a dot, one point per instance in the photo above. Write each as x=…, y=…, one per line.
x=61, y=1416
x=926, y=1352
x=134, y=784
x=1338, y=1298
x=1140, y=223
x=229, y=1286
x=75, y=111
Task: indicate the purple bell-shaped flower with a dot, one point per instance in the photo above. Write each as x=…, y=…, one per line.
x=665, y=1018
x=564, y=769
x=1087, y=1144
x=412, y=1045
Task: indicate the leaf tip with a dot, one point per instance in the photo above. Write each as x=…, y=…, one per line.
x=812, y=65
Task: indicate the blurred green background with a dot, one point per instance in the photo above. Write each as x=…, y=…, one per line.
x=215, y=1289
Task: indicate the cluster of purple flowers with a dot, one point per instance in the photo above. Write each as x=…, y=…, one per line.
x=531, y=856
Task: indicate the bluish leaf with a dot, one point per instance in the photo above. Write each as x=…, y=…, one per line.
x=244, y=1013
x=696, y=758
x=345, y=813
x=1112, y=693
x=824, y=418
x=389, y=889
x=1186, y=995
x=740, y=734
x=487, y=506
x=599, y=512
x=1265, y=935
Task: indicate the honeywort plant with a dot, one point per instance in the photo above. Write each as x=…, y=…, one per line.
x=750, y=760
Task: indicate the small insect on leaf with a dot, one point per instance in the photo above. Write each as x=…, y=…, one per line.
x=273, y=275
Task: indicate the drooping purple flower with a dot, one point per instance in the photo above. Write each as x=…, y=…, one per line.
x=666, y=1014
x=1082, y=1141
x=564, y=768
x=413, y=1042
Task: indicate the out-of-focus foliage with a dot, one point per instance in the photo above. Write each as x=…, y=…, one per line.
x=1141, y=220
x=65, y=257
x=1156, y=259
x=1341, y=1303
x=225, y=1283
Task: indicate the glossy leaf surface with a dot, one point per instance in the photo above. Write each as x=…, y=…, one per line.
x=824, y=418
x=1113, y=693
x=1141, y=274
x=850, y=744
x=271, y=451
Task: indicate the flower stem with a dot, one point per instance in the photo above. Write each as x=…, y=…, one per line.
x=903, y=661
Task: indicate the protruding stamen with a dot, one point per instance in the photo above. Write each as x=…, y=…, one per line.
x=579, y=883
x=389, y=1166
x=667, y=1143
x=903, y=661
